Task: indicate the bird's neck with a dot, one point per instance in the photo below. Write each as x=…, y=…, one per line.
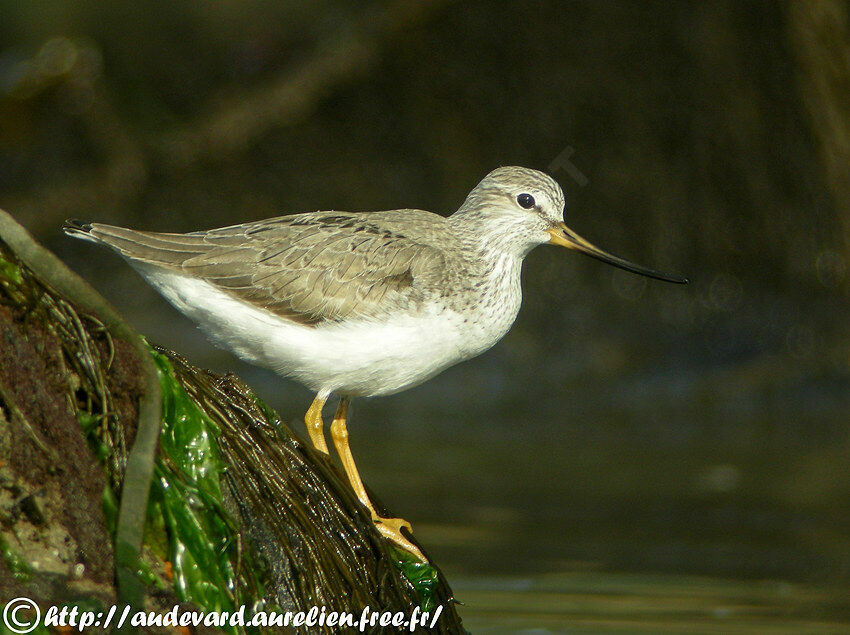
x=490, y=236
x=493, y=299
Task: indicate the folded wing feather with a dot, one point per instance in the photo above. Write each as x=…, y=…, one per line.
x=309, y=268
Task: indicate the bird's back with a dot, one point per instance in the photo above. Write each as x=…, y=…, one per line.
x=309, y=268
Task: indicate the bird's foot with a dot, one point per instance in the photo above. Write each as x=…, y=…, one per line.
x=390, y=528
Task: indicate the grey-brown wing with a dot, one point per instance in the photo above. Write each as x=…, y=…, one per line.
x=309, y=268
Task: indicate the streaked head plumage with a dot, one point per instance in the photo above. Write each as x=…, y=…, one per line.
x=517, y=205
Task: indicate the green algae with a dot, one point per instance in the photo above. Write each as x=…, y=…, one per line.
x=11, y=280
x=186, y=502
x=421, y=575
x=186, y=523
x=10, y=273
x=16, y=565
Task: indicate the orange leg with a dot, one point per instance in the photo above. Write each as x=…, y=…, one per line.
x=390, y=528
x=315, y=424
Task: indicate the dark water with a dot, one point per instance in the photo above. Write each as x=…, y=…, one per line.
x=550, y=538
x=579, y=602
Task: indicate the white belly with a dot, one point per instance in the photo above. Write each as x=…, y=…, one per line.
x=362, y=357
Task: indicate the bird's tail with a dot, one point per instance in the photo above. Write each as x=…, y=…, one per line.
x=79, y=229
x=168, y=250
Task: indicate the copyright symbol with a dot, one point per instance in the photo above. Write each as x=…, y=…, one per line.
x=16, y=622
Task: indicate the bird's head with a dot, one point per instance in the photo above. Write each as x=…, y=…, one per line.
x=522, y=208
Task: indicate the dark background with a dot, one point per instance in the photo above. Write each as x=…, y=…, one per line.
x=624, y=424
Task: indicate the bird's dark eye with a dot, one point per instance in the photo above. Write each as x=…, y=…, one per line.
x=525, y=200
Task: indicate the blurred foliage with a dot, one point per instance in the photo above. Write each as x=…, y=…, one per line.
x=706, y=138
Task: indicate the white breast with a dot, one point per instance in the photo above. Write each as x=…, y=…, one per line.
x=494, y=309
